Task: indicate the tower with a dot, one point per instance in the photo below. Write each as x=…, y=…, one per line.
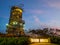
x=16, y=24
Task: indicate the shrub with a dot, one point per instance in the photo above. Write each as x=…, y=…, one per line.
x=23, y=41
x=14, y=41
x=55, y=39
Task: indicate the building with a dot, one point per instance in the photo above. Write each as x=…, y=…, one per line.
x=16, y=24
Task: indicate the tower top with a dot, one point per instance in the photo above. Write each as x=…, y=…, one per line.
x=16, y=7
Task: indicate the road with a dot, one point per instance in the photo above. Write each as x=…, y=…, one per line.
x=42, y=44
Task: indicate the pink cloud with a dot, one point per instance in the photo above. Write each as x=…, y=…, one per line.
x=55, y=4
x=38, y=22
x=36, y=19
x=49, y=24
x=35, y=11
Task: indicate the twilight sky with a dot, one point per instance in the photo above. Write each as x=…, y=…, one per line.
x=37, y=13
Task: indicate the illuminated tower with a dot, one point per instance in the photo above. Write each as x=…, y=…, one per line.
x=16, y=24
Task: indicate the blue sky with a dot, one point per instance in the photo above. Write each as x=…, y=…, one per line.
x=37, y=13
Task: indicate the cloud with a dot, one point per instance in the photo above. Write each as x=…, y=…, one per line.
x=37, y=11
x=50, y=24
x=39, y=23
x=53, y=3
x=36, y=19
x=47, y=14
x=34, y=11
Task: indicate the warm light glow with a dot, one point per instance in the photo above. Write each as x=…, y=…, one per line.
x=19, y=10
x=14, y=22
x=39, y=40
x=44, y=40
x=34, y=40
